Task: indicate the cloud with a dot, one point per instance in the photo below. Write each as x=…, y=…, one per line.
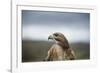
x=51, y=18
x=38, y=25
x=42, y=33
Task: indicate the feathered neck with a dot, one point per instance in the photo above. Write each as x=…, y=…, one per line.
x=63, y=43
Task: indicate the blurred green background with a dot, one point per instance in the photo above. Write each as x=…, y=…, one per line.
x=35, y=51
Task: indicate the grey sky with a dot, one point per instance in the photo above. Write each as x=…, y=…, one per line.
x=46, y=22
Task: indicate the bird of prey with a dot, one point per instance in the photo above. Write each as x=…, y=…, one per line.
x=61, y=49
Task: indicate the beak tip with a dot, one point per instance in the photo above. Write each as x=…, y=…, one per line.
x=50, y=37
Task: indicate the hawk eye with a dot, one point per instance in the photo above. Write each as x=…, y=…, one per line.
x=56, y=34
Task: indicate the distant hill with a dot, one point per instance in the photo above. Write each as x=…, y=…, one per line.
x=33, y=51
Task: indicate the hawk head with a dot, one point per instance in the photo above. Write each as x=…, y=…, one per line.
x=59, y=39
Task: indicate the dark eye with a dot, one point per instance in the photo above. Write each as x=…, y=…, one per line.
x=56, y=34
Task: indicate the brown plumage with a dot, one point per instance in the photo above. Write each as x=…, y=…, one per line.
x=60, y=50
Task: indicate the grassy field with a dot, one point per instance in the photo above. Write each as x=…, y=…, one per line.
x=35, y=51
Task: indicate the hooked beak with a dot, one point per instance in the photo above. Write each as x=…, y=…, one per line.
x=50, y=37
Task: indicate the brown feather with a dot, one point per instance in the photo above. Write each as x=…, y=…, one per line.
x=61, y=50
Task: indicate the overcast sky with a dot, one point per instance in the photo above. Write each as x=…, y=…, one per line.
x=38, y=25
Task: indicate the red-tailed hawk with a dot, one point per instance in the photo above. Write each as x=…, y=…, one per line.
x=60, y=50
